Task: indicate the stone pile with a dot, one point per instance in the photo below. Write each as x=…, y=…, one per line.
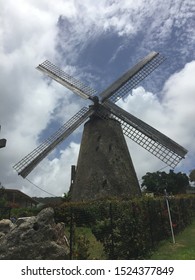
x=33, y=238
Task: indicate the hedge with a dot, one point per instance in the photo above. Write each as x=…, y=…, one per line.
x=129, y=229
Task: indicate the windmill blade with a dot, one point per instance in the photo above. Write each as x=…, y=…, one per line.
x=132, y=77
x=146, y=136
x=29, y=162
x=66, y=80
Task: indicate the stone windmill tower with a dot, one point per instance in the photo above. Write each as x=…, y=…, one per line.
x=104, y=167
x=103, y=146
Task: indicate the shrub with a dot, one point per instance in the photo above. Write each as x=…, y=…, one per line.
x=128, y=229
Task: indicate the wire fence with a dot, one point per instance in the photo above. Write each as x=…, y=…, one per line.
x=125, y=229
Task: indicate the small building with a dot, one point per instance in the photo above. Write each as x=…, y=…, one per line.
x=17, y=198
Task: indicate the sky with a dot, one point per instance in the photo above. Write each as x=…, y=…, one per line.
x=96, y=42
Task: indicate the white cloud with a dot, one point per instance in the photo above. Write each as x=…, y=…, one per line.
x=179, y=99
x=54, y=175
x=28, y=34
x=172, y=114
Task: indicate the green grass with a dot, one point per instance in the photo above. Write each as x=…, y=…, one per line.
x=183, y=249
x=96, y=251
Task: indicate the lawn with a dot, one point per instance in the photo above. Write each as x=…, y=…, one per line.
x=183, y=249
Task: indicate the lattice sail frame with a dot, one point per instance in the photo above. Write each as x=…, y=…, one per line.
x=28, y=163
x=66, y=80
x=146, y=136
x=129, y=80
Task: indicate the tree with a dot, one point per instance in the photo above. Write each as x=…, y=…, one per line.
x=157, y=182
x=3, y=200
x=192, y=176
x=66, y=197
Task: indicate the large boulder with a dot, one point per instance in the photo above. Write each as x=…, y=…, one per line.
x=34, y=238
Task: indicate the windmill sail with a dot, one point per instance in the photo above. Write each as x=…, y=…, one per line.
x=146, y=136
x=132, y=77
x=29, y=162
x=66, y=80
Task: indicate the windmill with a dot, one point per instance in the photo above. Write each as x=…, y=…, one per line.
x=104, y=165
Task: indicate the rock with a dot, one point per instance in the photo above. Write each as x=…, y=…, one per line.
x=35, y=238
x=5, y=226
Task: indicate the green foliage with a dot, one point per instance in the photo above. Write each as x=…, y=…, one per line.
x=157, y=182
x=138, y=226
x=192, y=175
x=24, y=212
x=85, y=214
x=81, y=248
x=127, y=229
x=66, y=197
x=3, y=198
x=4, y=206
x=127, y=237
